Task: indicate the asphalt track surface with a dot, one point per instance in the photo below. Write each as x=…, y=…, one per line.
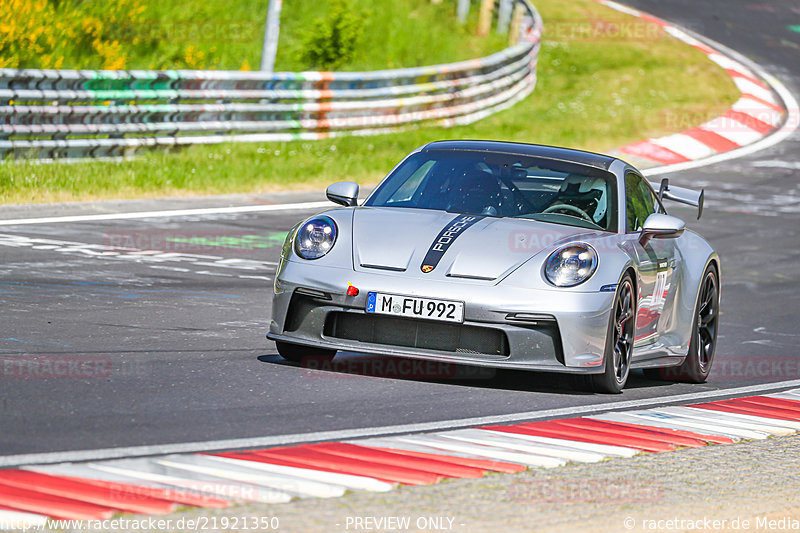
x=173, y=350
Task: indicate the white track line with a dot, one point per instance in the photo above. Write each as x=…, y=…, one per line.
x=375, y=431
x=167, y=213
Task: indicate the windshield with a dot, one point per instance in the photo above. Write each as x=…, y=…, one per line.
x=502, y=185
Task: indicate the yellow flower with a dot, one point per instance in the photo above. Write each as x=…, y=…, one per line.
x=71, y=33
x=193, y=57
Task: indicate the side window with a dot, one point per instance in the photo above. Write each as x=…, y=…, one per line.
x=640, y=202
x=650, y=196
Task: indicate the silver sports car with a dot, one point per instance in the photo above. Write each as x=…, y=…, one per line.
x=504, y=255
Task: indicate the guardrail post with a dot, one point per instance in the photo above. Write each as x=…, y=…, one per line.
x=485, y=17
x=504, y=15
x=516, y=24
x=463, y=11
x=272, y=28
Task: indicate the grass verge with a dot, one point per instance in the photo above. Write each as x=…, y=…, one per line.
x=226, y=34
x=605, y=79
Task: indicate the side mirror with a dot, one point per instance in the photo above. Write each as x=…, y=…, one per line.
x=344, y=193
x=661, y=226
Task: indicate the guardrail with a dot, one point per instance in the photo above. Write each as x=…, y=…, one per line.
x=82, y=113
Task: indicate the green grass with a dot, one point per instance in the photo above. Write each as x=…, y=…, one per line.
x=426, y=36
x=225, y=34
x=597, y=92
x=398, y=33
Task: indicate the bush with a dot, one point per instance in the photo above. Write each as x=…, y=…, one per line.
x=91, y=34
x=66, y=33
x=334, y=39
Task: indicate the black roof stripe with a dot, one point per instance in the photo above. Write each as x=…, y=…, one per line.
x=581, y=157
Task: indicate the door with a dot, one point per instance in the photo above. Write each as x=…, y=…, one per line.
x=657, y=261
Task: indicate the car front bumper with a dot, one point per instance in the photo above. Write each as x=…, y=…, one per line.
x=505, y=327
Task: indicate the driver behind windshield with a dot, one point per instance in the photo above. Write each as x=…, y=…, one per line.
x=583, y=197
x=502, y=185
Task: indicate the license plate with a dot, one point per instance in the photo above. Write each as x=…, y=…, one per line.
x=415, y=307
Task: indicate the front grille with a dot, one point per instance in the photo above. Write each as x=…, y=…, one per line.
x=410, y=333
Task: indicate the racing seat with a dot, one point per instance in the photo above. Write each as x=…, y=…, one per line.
x=590, y=195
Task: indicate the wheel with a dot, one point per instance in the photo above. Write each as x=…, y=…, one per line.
x=619, y=341
x=297, y=352
x=703, y=342
x=568, y=209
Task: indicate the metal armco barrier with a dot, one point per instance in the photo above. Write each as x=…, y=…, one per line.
x=82, y=113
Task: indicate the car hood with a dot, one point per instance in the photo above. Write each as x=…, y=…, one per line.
x=397, y=241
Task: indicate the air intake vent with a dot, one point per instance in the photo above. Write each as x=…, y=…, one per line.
x=410, y=333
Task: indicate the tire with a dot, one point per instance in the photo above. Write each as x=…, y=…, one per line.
x=703, y=342
x=619, y=341
x=297, y=352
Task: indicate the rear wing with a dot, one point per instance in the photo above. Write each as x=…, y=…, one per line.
x=681, y=195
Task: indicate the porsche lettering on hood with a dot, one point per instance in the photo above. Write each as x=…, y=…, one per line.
x=445, y=238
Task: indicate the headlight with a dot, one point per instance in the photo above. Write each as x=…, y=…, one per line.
x=315, y=237
x=571, y=265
